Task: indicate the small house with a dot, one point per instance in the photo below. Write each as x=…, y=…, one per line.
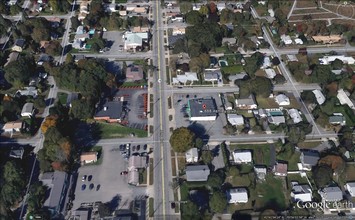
x=337, y=119
x=134, y=73
x=248, y=103
x=319, y=96
x=280, y=169
x=309, y=159
x=295, y=115
x=260, y=172
x=109, y=111
x=286, y=39
x=331, y=194
x=282, y=100
x=235, y=119
x=301, y=193
x=191, y=155
x=350, y=187
x=237, y=195
x=18, y=45
x=12, y=126
x=242, y=156
x=27, y=110
x=197, y=173
x=88, y=157
x=16, y=152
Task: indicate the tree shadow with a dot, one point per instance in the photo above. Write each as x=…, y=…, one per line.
x=197, y=128
x=113, y=204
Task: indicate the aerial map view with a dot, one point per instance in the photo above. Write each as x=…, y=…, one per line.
x=177, y=109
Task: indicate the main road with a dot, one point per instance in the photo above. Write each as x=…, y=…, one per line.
x=162, y=157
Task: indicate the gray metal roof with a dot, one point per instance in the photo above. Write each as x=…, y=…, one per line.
x=197, y=173
x=331, y=194
x=113, y=110
x=202, y=107
x=310, y=157
x=27, y=108
x=57, y=193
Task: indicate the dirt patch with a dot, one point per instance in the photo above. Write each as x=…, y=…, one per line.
x=307, y=11
x=306, y=4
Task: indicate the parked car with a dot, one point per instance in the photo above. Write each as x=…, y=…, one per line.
x=133, y=148
x=83, y=187
x=91, y=186
x=89, y=178
x=122, y=147
x=145, y=147
x=138, y=147
x=83, y=178
x=98, y=187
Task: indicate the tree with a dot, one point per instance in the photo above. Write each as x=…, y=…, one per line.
x=37, y=195
x=308, y=96
x=279, y=79
x=54, y=48
x=233, y=171
x=40, y=33
x=50, y=121
x=81, y=109
x=218, y=202
x=261, y=86
x=199, y=143
x=337, y=64
x=185, y=7
x=75, y=23
x=204, y=10
x=295, y=134
x=206, y=157
x=333, y=161
x=346, y=138
x=321, y=74
x=15, y=9
x=189, y=210
x=54, y=5
x=20, y=70
x=322, y=175
x=13, y=183
x=215, y=180
x=194, y=17
x=182, y=139
x=198, y=64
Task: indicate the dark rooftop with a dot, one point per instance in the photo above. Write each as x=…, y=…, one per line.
x=202, y=107
x=112, y=109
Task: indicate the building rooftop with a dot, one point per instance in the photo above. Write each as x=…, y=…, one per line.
x=310, y=157
x=16, y=152
x=246, y=101
x=235, y=119
x=319, y=96
x=197, y=172
x=136, y=162
x=110, y=109
x=202, y=107
x=331, y=194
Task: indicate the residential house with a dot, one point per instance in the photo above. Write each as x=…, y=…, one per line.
x=260, y=113
x=44, y=58
x=286, y=39
x=282, y=100
x=178, y=31
x=212, y=75
x=12, y=126
x=16, y=152
x=266, y=62
x=84, y=9
x=178, y=17
x=292, y=58
x=242, y=156
x=235, y=119
x=228, y=105
x=280, y=169
x=276, y=117
x=88, y=157
x=344, y=99
x=43, y=44
x=202, y=109
x=197, y=173
x=301, y=192
x=140, y=29
x=229, y=40
x=71, y=97
x=58, y=184
x=298, y=41
x=331, y=194
x=13, y=56
x=79, y=57
x=327, y=39
x=186, y=77
x=27, y=110
x=237, y=195
x=270, y=73
x=260, y=172
x=319, y=96
x=337, y=72
x=326, y=60
x=337, y=119
x=28, y=91
x=295, y=115
x=246, y=103
x=109, y=111
x=234, y=77
x=18, y=45
x=134, y=73
x=134, y=40
x=350, y=187
x=192, y=155
x=81, y=214
x=174, y=38
x=309, y=159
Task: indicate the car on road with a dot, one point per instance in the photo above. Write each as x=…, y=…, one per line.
x=83, y=187
x=124, y=173
x=98, y=187
x=91, y=186
x=133, y=148
x=89, y=178
x=145, y=147
x=83, y=178
x=138, y=147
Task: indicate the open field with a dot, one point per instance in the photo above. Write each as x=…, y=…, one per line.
x=307, y=11
x=346, y=11
x=309, y=144
x=291, y=161
x=305, y=4
x=106, y=130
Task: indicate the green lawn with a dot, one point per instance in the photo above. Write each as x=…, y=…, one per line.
x=143, y=83
x=151, y=207
x=261, y=152
x=232, y=69
x=296, y=178
x=270, y=193
x=309, y=144
x=239, y=181
x=292, y=161
x=62, y=97
x=151, y=171
x=106, y=130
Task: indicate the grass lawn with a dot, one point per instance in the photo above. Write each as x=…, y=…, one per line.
x=181, y=164
x=239, y=181
x=151, y=207
x=270, y=193
x=151, y=172
x=176, y=198
x=173, y=166
x=350, y=173
x=232, y=69
x=271, y=103
x=309, y=144
x=221, y=49
x=245, y=113
x=292, y=161
x=118, y=131
x=261, y=10
x=261, y=152
x=145, y=180
x=62, y=97
x=296, y=178
x=134, y=84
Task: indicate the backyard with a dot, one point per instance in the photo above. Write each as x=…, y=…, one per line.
x=261, y=152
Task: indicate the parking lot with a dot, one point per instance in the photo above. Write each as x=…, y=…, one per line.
x=136, y=102
x=112, y=184
x=201, y=128
x=115, y=41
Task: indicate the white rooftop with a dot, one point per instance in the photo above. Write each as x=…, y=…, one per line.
x=270, y=73
x=235, y=119
x=319, y=96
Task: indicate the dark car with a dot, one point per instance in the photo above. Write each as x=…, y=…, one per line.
x=122, y=147
x=98, y=187
x=83, y=178
x=145, y=147
x=91, y=186
x=83, y=187
x=172, y=205
x=133, y=148
x=138, y=147
x=187, y=96
x=89, y=178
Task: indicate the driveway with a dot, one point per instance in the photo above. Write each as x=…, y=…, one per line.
x=113, y=185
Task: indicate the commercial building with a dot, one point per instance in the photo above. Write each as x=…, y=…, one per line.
x=109, y=111
x=202, y=109
x=329, y=59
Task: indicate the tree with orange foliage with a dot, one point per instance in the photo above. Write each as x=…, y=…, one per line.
x=333, y=161
x=49, y=121
x=65, y=145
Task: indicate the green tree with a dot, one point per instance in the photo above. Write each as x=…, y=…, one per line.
x=182, y=139
x=185, y=7
x=194, y=17
x=295, y=134
x=321, y=74
x=308, y=96
x=215, y=180
x=13, y=183
x=39, y=34
x=15, y=9
x=322, y=175
x=261, y=86
x=54, y=5
x=206, y=157
x=279, y=79
x=189, y=210
x=37, y=196
x=20, y=70
x=81, y=109
x=54, y=48
x=233, y=171
x=75, y=23
x=204, y=10
x=198, y=64
x=337, y=64
x=218, y=202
